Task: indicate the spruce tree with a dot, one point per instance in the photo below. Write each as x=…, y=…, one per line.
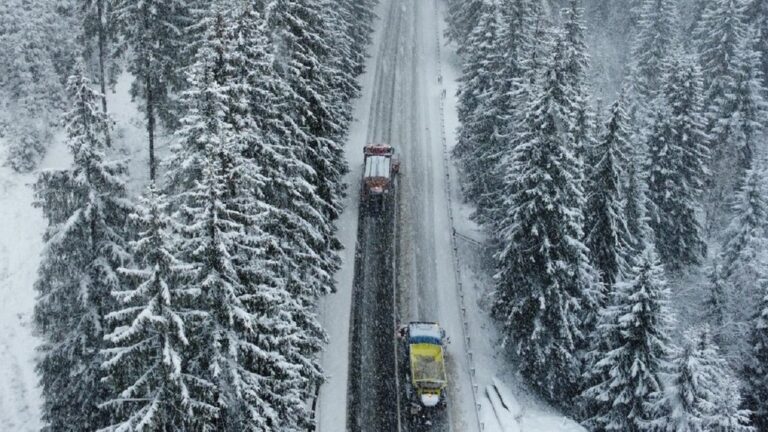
x=306, y=236
x=575, y=72
x=521, y=38
x=755, y=371
x=463, y=16
x=677, y=158
x=37, y=52
x=607, y=236
x=655, y=41
x=341, y=60
x=632, y=364
x=145, y=360
x=728, y=413
x=506, y=42
x=734, y=101
x=741, y=258
x=677, y=165
x=635, y=204
x=301, y=37
x=716, y=303
x=747, y=234
x=478, y=138
x=269, y=135
x=359, y=17
x=757, y=13
x=247, y=344
x=546, y=287
x=97, y=27
x=577, y=55
x=154, y=33
x=699, y=390
x=86, y=208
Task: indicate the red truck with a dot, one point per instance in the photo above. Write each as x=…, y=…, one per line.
x=381, y=165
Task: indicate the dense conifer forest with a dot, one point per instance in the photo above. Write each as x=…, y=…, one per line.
x=610, y=186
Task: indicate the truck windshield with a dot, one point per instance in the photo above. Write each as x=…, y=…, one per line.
x=428, y=339
x=432, y=385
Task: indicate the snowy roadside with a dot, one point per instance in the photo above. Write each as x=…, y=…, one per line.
x=505, y=403
x=21, y=230
x=21, y=243
x=335, y=309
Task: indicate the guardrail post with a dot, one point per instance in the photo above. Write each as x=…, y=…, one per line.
x=454, y=245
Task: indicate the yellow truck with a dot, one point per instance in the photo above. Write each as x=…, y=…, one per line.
x=426, y=365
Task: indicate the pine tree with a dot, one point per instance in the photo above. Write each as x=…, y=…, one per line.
x=85, y=244
x=699, y=385
x=546, y=287
x=734, y=102
x=145, y=361
x=607, y=236
x=301, y=37
x=576, y=66
x=757, y=13
x=248, y=344
x=655, y=41
x=359, y=17
x=463, y=16
x=306, y=236
x=154, y=33
x=37, y=52
x=742, y=257
x=341, y=60
x=716, y=303
x=478, y=138
x=755, y=371
x=493, y=89
x=677, y=165
x=97, y=25
x=631, y=366
x=635, y=205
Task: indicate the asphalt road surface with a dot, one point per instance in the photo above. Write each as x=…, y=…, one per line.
x=418, y=285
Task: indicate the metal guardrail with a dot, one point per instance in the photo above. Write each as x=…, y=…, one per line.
x=468, y=239
x=454, y=247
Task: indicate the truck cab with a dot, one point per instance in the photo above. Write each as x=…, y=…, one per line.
x=381, y=164
x=426, y=364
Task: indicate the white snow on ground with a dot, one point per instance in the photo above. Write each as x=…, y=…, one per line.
x=505, y=403
x=21, y=231
x=481, y=376
x=21, y=243
x=335, y=309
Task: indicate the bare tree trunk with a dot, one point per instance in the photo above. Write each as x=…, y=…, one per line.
x=150, y=126
x=102, y=61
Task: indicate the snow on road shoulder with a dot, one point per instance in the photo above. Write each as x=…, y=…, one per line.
x=505, y=403
x=335, y=309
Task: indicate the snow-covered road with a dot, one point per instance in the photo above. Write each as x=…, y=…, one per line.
x=427, y=276
x=409, y=101
x=401, y=106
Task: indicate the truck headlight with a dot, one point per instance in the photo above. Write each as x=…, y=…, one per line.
x=429, y=400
